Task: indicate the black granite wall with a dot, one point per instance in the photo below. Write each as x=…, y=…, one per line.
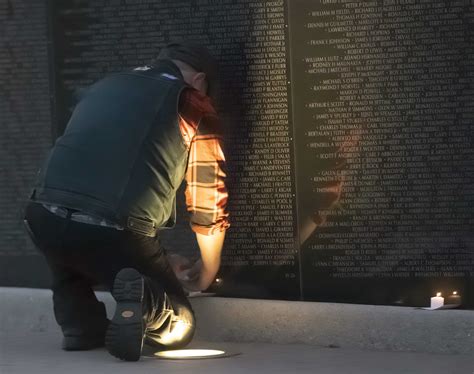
x=349, y=134
x=25, y=132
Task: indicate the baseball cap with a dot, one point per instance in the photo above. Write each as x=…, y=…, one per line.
x=196, y=56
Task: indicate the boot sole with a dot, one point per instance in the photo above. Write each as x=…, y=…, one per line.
x=124, y=336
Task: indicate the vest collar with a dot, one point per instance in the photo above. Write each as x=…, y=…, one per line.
x=167, y=67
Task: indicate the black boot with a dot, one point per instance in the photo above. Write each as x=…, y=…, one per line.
x=124, y=337
x=73, y=341
x=89, y=333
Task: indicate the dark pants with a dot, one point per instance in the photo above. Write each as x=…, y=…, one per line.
x=81, y=255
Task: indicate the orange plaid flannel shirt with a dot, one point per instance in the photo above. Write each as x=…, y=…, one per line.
x=206, y=192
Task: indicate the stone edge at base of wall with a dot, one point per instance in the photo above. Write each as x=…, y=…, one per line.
x=365, y=327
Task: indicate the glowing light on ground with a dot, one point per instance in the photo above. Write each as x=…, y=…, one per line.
x=182, y=354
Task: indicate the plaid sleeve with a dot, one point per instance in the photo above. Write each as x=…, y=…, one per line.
x=206, y=192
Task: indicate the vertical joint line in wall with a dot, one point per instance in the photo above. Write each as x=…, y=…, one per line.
x=297, y=241
x=52, y=65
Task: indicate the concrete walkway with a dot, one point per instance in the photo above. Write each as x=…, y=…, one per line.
x=348, y=326
x=39, y=353
x=268, y=334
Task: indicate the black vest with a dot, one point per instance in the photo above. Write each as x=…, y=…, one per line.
x=122, y=155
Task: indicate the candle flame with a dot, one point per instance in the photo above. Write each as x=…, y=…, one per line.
x=455, y=292
x=438, y=294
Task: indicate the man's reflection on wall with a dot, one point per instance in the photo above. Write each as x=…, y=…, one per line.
x=328, y=164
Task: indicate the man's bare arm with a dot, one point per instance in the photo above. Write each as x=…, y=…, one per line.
x=206, y=269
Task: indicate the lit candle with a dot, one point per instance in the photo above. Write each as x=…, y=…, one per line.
x=455, y=299
x=437, y=301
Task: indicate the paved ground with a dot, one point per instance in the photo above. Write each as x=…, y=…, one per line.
x=38, y=353
x=349, y=326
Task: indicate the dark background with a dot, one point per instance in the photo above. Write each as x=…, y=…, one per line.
x=371, y=203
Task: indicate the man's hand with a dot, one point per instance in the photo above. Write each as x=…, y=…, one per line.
x=204, y=271
x=186, y=270
x=199, y=276
x=189, y=278
x=179, y=264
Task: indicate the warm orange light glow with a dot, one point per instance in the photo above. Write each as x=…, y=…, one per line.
x=190, y=353
x=455, y=292
x=438, y=294
x=177, y=332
